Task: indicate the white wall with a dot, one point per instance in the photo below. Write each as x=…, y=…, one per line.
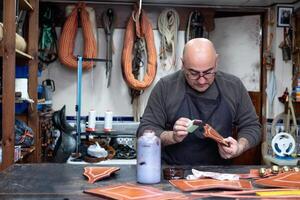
x=239, y=48
x=282, y=69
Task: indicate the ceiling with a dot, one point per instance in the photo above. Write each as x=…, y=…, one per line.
x=243, y=3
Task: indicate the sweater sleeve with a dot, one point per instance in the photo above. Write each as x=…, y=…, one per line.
x=246, y=120
x=154, y=117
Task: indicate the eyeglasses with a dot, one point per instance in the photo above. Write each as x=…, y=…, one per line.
x=195, y=75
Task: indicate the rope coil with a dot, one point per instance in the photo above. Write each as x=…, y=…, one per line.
x=67, y=38
x=168, y=25
x=140, y=29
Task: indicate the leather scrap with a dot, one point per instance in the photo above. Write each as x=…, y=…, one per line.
x=205, y=184
x=283, y=180
x=129, y=191
x=96, y=173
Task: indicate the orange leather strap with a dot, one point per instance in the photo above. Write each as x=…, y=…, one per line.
x=142, y=29
x=68, y=35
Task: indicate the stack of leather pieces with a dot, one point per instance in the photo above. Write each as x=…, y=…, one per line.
x=129, y=191
x=206, y=184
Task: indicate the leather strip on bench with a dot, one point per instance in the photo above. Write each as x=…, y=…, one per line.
x=129, y=191
x=284, y=180
x=205, y=184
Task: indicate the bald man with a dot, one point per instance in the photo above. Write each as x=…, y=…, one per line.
x=200, y=91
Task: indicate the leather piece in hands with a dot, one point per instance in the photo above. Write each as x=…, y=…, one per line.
x=209, y=132
x=254, y=173
x=97, y=173
x=205, y=184
x=284, y=180
x=134, y=192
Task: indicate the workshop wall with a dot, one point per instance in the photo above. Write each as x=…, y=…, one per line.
x=95, y=94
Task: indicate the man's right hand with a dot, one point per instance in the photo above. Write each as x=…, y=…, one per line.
x=180, y=129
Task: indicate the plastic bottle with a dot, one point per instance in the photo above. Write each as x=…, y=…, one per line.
x=148, y=158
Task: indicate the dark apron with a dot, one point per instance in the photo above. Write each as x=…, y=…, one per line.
x=195, y=150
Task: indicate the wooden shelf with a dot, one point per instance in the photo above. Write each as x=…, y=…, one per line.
x=19, y=53
x=25, y=5
x=23, y=54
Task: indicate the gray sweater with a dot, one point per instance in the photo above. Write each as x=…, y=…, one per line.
x=168, y=93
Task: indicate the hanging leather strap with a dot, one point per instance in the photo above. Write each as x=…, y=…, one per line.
x=140, y=28
x=67, y=38
x=195, y=26
x=108, y=22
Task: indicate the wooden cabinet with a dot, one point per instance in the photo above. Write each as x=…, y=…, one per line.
x=9, y=56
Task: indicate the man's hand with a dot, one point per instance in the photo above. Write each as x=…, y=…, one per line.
x=180, y=129
x=235, y=148
x=178, y=133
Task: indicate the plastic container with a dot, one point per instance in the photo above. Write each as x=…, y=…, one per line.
x=148, y=158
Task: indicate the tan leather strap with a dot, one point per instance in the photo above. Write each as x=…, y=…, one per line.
x=141, y=28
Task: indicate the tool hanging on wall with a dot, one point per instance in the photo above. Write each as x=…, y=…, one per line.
x=168, y=26
x=20, y=21
x=138, y=29
x=195, y=26
x=108, y=24
x=47, y=38
x=67, y=38
x=286, y=44
x=138, y=69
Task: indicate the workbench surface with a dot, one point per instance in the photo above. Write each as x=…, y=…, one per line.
x=65, y=181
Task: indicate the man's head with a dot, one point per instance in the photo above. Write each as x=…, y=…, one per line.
x=199, y=63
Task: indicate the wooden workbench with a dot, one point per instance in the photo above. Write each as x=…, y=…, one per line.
x=65, y=181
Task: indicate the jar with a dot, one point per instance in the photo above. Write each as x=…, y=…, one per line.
x=148, y=158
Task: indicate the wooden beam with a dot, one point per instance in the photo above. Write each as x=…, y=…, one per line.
x=8, y=76
x=33, y=74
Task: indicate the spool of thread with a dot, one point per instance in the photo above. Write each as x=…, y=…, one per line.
x=108, y=121
x=92, y=121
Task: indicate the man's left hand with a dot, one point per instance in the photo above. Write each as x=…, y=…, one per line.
x=235, y=148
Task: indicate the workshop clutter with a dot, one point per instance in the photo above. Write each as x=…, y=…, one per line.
x=283, y=146
x=296, y=90
x=23, y=134
x=119, y=142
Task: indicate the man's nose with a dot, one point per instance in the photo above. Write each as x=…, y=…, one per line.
x=201, y=80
